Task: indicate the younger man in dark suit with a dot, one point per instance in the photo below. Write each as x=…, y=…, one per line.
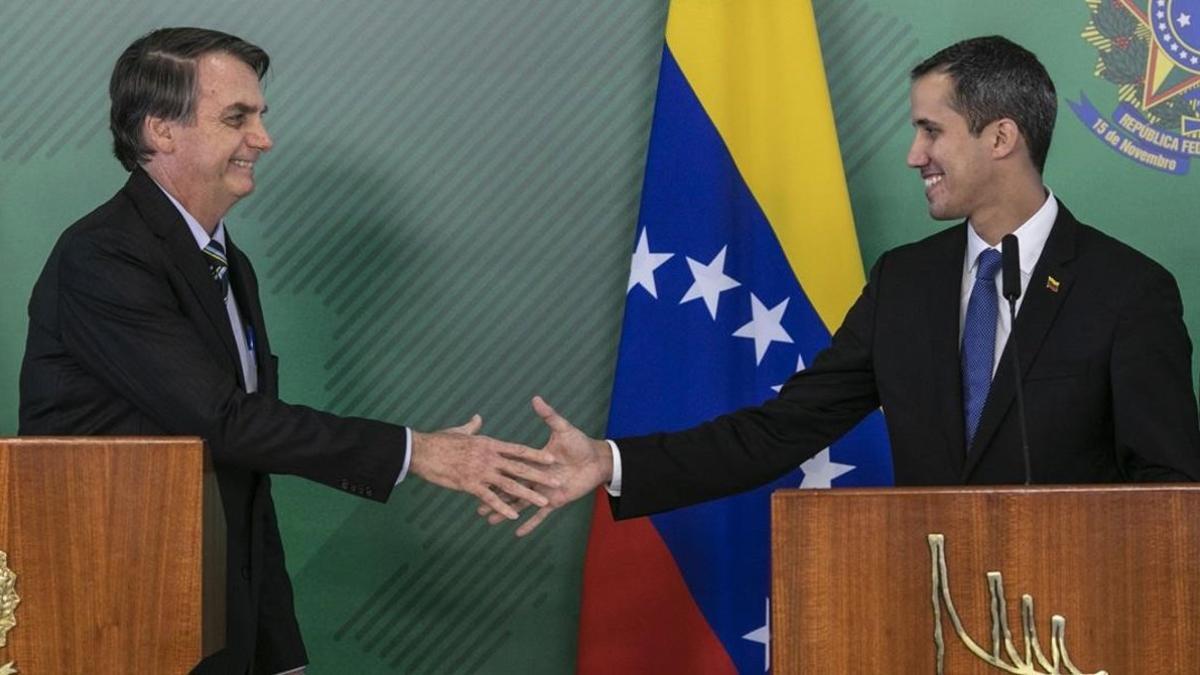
x=146, y=321
x=1104, y=353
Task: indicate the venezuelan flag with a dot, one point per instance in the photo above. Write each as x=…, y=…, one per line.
x=746, y=259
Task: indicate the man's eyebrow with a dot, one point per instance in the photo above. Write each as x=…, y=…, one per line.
x=925, y=123
x=245, y=109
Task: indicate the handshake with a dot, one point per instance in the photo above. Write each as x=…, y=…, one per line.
x=508, y=477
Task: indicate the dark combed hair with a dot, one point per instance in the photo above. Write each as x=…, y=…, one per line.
x=156, y=76
x=995, y=78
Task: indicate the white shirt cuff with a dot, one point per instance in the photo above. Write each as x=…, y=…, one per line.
x=614, y=486
x=407, y=454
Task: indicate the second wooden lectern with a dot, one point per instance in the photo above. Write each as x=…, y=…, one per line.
x=990, y=580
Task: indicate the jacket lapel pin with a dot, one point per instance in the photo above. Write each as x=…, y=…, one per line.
x=1052, y=284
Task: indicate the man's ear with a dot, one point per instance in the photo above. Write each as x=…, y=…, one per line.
x=158, y=134
x=1005, y=136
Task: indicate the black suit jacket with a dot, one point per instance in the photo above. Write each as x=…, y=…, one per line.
x=1106, y=371
x=128, y=335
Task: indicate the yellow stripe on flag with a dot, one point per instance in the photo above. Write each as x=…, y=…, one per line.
x=756, y=67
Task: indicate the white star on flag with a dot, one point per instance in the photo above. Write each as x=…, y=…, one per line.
x=766, y=326
x=820, y=470
x=641, y=271
x=799, y=367
x=762, y=635
x=709, y=282
x=1185, y=20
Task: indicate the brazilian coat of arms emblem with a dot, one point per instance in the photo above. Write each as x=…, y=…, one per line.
x=1150, y=50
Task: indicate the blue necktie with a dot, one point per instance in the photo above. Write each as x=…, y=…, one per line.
x=218, y=266
x=979, y=340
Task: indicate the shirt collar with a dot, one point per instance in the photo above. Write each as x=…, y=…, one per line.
x=194, y=225
x=1031, y=235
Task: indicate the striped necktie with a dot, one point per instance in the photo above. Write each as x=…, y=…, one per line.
x=979, y=340
x=218, y=265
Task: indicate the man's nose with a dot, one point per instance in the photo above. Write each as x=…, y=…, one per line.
x=259, y=139
x=916, y=153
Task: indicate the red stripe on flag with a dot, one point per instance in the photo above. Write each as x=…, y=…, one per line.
x=638, y=615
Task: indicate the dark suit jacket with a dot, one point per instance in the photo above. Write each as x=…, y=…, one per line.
x=128, y=335
x=1105, y=358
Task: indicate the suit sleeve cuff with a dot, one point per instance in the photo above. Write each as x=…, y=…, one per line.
x=614, y=486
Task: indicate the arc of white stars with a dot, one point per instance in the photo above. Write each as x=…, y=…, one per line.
x=765, y=327
x=709, y=281
x=820, y=470
x=641, y=270
x=762, y=635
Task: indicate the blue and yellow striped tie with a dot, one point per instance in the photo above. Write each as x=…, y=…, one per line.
x=218, y=266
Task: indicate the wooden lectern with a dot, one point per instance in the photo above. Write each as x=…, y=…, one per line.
x=117, y=547
x=859, y=585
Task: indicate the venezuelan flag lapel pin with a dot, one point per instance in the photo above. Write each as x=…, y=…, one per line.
x=1052, y=284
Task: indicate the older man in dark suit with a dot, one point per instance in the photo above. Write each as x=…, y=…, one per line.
x=146, y=321
x=1105, y=358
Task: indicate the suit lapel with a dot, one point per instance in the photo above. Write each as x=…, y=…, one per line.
x=1038, y=310
x=944, y=294
x=164, y=220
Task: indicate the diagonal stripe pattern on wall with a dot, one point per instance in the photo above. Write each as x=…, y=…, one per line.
x=464, y=222
x=867, y=54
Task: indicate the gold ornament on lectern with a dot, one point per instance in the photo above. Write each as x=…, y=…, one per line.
x=8, y=607
x=1016, y=664
x=8, y=599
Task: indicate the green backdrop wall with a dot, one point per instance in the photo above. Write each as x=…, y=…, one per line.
x=444, y=228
